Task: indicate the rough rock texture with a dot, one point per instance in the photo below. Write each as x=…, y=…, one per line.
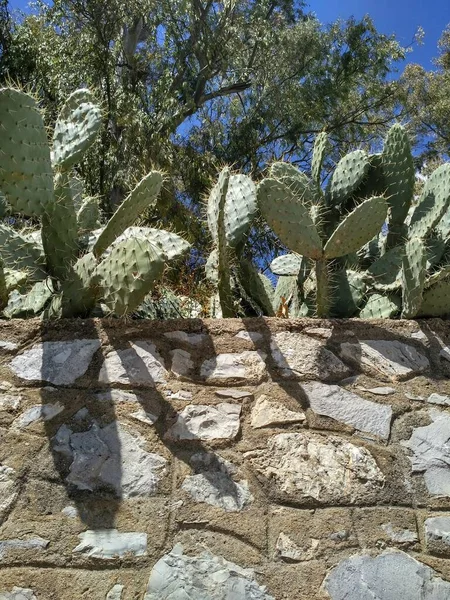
x=431, y=448
x=310, y=466
x=206, y=422
x=364, y=415
x=110, y=457
x=60, y=363
x=292, y=460
x=302, y=357
x=391, y=359
x=389, y=576
x=111, y=544
x=138, y=365
x=204, y=577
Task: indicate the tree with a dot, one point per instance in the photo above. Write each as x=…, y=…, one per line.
x=187, y=85
x=427, y=99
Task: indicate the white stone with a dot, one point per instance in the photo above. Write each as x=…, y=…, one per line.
x=413, y=397
x=439, y=399
x=8, y=490
x=36, y=543
x=110, y=543
x=193, y=339
x=302, y=357
x=18, y=593
x=235, y=394
x=182, y=364
x=40, y=412
x=399, y=535
x=438, y=529
x=214, y=485
x=110, y=457
x=139, y=365
x=9, y=402
x=419, y=335
x=60, y=363
x=180, y=395
x=70, y=511
x=378, y=391
x=199, y=421
x=347, y=407
x=117, y=396
x=392, y=575
x=249, y=336
x=115, y=593
x=390, y=358
x=245, y=365
x=8, y=346
x=321, y=332
x=144, y=417
x=204, y=577
x=445, y=353
x=266, y=413
x=325, y=468
x=431, y=453
x=286, y=548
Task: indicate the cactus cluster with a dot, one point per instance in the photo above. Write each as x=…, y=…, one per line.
x=71, y=265
x=377, y=253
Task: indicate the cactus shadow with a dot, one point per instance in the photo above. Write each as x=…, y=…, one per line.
x=86, y=440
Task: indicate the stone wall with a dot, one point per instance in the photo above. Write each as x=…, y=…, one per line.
x=228, y=460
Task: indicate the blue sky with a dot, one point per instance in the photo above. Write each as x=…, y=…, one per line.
x=400, y=17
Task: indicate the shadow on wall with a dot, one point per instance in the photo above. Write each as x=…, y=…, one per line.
x=100, y=462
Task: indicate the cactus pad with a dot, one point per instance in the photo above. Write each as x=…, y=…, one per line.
x=289, y=219
x=357, y=228
x=349, y=174
x=413, y=277
x=288, y=264
x=433, y=203
x=76, y=128
x=294, y=179
x=321, y=145
x=435, y=300
x=26, y=177
x=381, y=307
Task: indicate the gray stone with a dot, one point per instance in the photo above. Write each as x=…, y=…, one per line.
x=325, y=468
x=193, y=339
x=289, y=550
x=267, y=413
x=302, y=357
x=8, y=346
x=245, y=365
x=117, y=396
x=438, y=529
x=232, y=393
x=110, y=543
x=378, y=391
x=139, y=365
x=70, y=511
x=213, y=484
x=401, y=536
x=342, y=405
x=182, y=364
x=204, y=577
x=81, y=415
x=249, y=336
x=431, y=447
x=8, y=490
x=392, y=575
x=439, y=399
x=144, y=417
x=40, y=412
x=36, y=543
x=414, y=397
x=390, y=358
x=110, y=457
x=9, y=402
x=18, y=593
x=321, y=332
x=60, y=363
x=115, y=593
x=199, y=421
